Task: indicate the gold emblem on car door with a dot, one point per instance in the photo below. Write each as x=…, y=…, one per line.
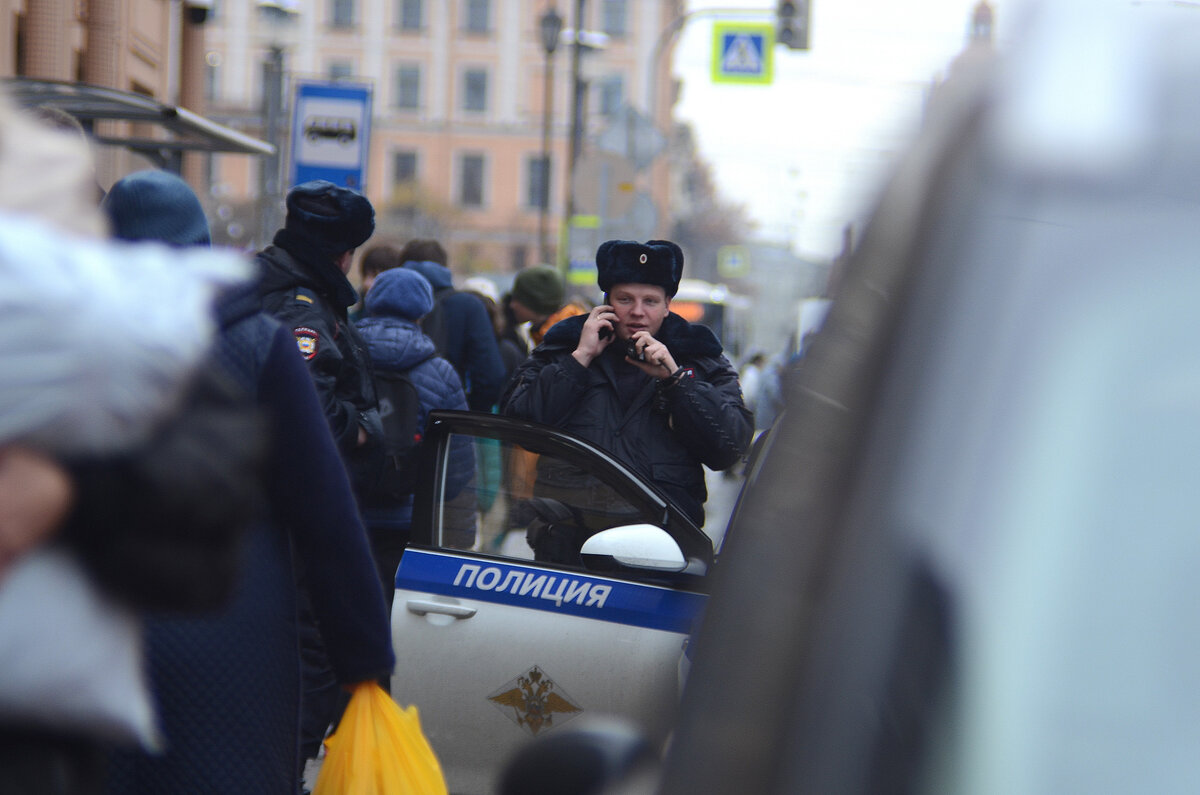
x=532, y=700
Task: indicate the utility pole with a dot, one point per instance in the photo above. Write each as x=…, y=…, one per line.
x=577, y=103
x=269, y=190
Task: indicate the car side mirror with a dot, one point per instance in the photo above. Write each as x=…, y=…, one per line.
x=638, y=546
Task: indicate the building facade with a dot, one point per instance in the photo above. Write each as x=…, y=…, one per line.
x=151, y=48
x=458, y=110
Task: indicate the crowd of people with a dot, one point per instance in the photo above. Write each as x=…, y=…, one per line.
x=195, y=439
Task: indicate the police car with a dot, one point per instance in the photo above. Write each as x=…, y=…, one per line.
x=498, y=644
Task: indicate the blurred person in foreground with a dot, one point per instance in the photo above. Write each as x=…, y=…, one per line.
x=637, y=380
x=458, y=325
x=125, y=462
x=228, y=684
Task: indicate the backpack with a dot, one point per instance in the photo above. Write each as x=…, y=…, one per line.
x=400, y=413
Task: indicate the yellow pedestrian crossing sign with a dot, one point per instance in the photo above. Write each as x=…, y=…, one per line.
x=743, y=52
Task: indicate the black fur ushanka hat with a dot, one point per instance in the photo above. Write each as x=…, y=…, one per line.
x=329, y=217
x=657, y=262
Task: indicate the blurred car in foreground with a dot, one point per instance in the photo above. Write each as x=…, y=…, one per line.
x=496, y=648
x=978, y=521
x=966, y=561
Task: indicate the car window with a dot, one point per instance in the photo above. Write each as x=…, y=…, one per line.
x=534, y=505
x=514, y=489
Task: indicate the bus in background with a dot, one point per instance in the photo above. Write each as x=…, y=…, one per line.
x=715, y=306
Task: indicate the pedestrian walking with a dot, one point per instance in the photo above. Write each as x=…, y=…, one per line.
x=304, y=286
x=228, y=684
x=399, y=298
x=458, y=325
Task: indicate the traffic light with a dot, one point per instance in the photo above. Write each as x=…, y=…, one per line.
x=791, y=24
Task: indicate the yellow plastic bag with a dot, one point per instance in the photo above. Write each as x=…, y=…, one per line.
x=379, y=749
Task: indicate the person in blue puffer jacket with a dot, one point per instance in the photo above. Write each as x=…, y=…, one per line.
x=398, y=299
x=460, y=327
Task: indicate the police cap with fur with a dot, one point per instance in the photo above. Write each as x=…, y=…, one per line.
x=657, y=262
x=334, y=218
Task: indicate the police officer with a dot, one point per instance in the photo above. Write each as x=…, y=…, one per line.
x=638, y=380
x=304, y=285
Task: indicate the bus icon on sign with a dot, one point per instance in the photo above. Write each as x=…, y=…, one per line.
x=341, y=130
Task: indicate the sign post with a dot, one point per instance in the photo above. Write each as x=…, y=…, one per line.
x=743, y=52
x=331, y=132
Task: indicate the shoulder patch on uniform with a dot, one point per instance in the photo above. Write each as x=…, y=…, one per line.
x=305, y=297
x=306, y=340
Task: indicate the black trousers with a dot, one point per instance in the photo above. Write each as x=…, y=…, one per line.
x=44, y=763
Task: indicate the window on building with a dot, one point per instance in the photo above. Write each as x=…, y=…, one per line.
x=404, y=167
x=537, y=181
x=612, y=94
x=477, y=16
x=519, y=257
x=341, y=13
x=410, y=14
x=475, y=88
x=470, y=180
x=340, y=70
x=407, y=94
x=615, y=17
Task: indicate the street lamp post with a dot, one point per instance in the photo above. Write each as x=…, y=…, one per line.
x=577, y=93
x=277, y=14
x=551, y=23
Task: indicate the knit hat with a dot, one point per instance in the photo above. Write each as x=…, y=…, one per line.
x=657, y=262
x=482, y=285
x=156, y=205
x=400, y=292
x=328, y=217
x=539, y=288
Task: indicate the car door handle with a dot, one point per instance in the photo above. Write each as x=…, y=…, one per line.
x=423, y=606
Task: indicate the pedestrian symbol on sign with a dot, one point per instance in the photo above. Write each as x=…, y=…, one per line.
x=743, y=53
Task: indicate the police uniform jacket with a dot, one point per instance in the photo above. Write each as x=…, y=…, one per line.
x=664, y=429
x=311, y=298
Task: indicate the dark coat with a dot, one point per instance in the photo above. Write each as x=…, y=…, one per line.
x=470, y=343
x=228, y=685
x=311, y=299
x=669, y=429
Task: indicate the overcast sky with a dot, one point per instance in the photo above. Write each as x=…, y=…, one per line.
x=806, y=154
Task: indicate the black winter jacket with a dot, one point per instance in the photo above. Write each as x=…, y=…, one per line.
x=670, y=428
x=311, y=299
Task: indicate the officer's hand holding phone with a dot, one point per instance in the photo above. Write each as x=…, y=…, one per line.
x=599, y=331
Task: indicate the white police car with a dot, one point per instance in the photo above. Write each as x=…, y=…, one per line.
x=496, y=648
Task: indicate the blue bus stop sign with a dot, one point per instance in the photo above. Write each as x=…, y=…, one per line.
x=331, y=132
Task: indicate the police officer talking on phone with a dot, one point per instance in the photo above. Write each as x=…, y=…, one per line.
x=632, y=377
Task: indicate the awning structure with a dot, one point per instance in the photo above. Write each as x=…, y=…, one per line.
x=182, y=130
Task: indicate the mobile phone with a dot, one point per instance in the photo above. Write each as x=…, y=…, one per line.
x=605, y=333
x=632, y=352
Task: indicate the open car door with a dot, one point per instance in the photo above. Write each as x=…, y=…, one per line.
x=544, y=581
